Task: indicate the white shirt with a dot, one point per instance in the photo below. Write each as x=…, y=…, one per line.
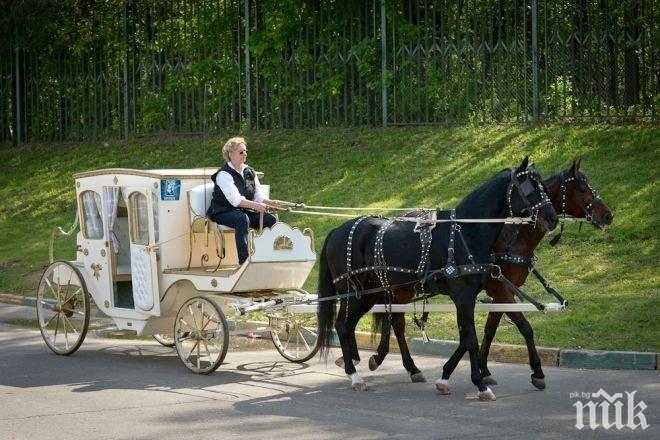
x=226, y=183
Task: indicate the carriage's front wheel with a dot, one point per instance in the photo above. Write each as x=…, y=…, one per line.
x=63, y=307
x=295, y=336
x=201, y=335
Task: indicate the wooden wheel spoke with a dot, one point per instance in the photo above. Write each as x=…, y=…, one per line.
x=72, y=296
x=50, y=320
x=50, y=286
x=208, y=353
x=304, y=340
x=70, y=325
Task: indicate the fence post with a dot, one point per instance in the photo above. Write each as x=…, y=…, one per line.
x=17, y=96
x=383, y=49
x=535, y=60
x=248, y=96
x=125, y=19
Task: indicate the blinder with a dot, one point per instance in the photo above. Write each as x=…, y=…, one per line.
x=525, y=189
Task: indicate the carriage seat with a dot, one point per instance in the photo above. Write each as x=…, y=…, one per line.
x=199, y=199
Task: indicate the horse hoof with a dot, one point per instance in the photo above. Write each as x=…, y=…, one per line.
x=373, y=364
x=488, y=380
x=417, y=377
x=538, y=383
x=359, y=386
x=486, y=396
x=443, y=388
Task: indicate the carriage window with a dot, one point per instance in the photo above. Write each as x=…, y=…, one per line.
x=139, y=218
x=92, y=222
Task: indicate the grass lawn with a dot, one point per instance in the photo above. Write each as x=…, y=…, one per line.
x=610, y=278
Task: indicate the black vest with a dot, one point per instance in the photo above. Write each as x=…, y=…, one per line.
x=245, y=184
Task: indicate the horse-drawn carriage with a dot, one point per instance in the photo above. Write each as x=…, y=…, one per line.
x=151, y=261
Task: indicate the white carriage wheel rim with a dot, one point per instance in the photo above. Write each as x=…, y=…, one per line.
x=200, y=335
x=295, y=345
x=62, y=308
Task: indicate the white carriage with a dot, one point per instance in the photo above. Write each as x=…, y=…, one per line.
x=150, y=260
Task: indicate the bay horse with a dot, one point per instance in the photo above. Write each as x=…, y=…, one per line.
x=570, y=194
x=379, y=253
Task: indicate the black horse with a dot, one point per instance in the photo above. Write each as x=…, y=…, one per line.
x=571, y=194
x=369, y=247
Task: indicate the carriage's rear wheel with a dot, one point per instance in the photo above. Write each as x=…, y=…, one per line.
x=63, y=307
x=165, y=340
x=201, y=335
x=295, y=336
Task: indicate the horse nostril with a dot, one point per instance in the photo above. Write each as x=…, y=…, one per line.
x=609, y=217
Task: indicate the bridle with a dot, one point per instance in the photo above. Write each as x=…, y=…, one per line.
x=525, y=189
x=587, y=209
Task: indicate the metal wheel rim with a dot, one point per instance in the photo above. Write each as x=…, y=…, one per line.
x=295, y=337
x=164, y=340
x=201, y=335
x=62, y=308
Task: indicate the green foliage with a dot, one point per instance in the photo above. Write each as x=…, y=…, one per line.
x=610, y=278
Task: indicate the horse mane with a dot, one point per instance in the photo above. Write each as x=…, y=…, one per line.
x=489, y=194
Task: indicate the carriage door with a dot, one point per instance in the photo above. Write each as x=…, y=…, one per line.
x=94, y=245
x=144, y=268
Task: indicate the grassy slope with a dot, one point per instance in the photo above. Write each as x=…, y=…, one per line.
x=610, y=278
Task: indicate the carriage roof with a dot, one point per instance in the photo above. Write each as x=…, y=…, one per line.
x=190, y=173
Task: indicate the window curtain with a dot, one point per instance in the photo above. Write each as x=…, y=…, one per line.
x=111, y=202
x=92, y=212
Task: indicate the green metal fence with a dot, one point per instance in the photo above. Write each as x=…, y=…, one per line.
x=184, y=66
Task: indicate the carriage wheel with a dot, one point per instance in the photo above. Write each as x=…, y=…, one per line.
x=201, y=335
x=295, y=336
x=165, y=340
x=63, y=307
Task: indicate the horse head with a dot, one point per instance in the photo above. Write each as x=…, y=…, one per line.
x=527, y=196
x=576, y=197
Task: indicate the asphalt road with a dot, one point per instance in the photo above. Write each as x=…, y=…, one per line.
x=137, y=389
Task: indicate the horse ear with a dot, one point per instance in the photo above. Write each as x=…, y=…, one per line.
x=573, y=171
x=578, y=164
x=523, y=165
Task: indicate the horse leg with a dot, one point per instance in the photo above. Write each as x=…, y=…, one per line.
x=492, y=324
x=465, y=310
x=383, y=346
x=399, y=324
x=442, y=384
x=345, y=326
x=525, y=329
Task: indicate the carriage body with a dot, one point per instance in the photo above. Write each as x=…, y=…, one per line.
x=141, y=253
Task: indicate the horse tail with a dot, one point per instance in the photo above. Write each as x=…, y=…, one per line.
x=326, y=309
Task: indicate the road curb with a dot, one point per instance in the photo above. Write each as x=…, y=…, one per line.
x=506, y=353
x=619, y=360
